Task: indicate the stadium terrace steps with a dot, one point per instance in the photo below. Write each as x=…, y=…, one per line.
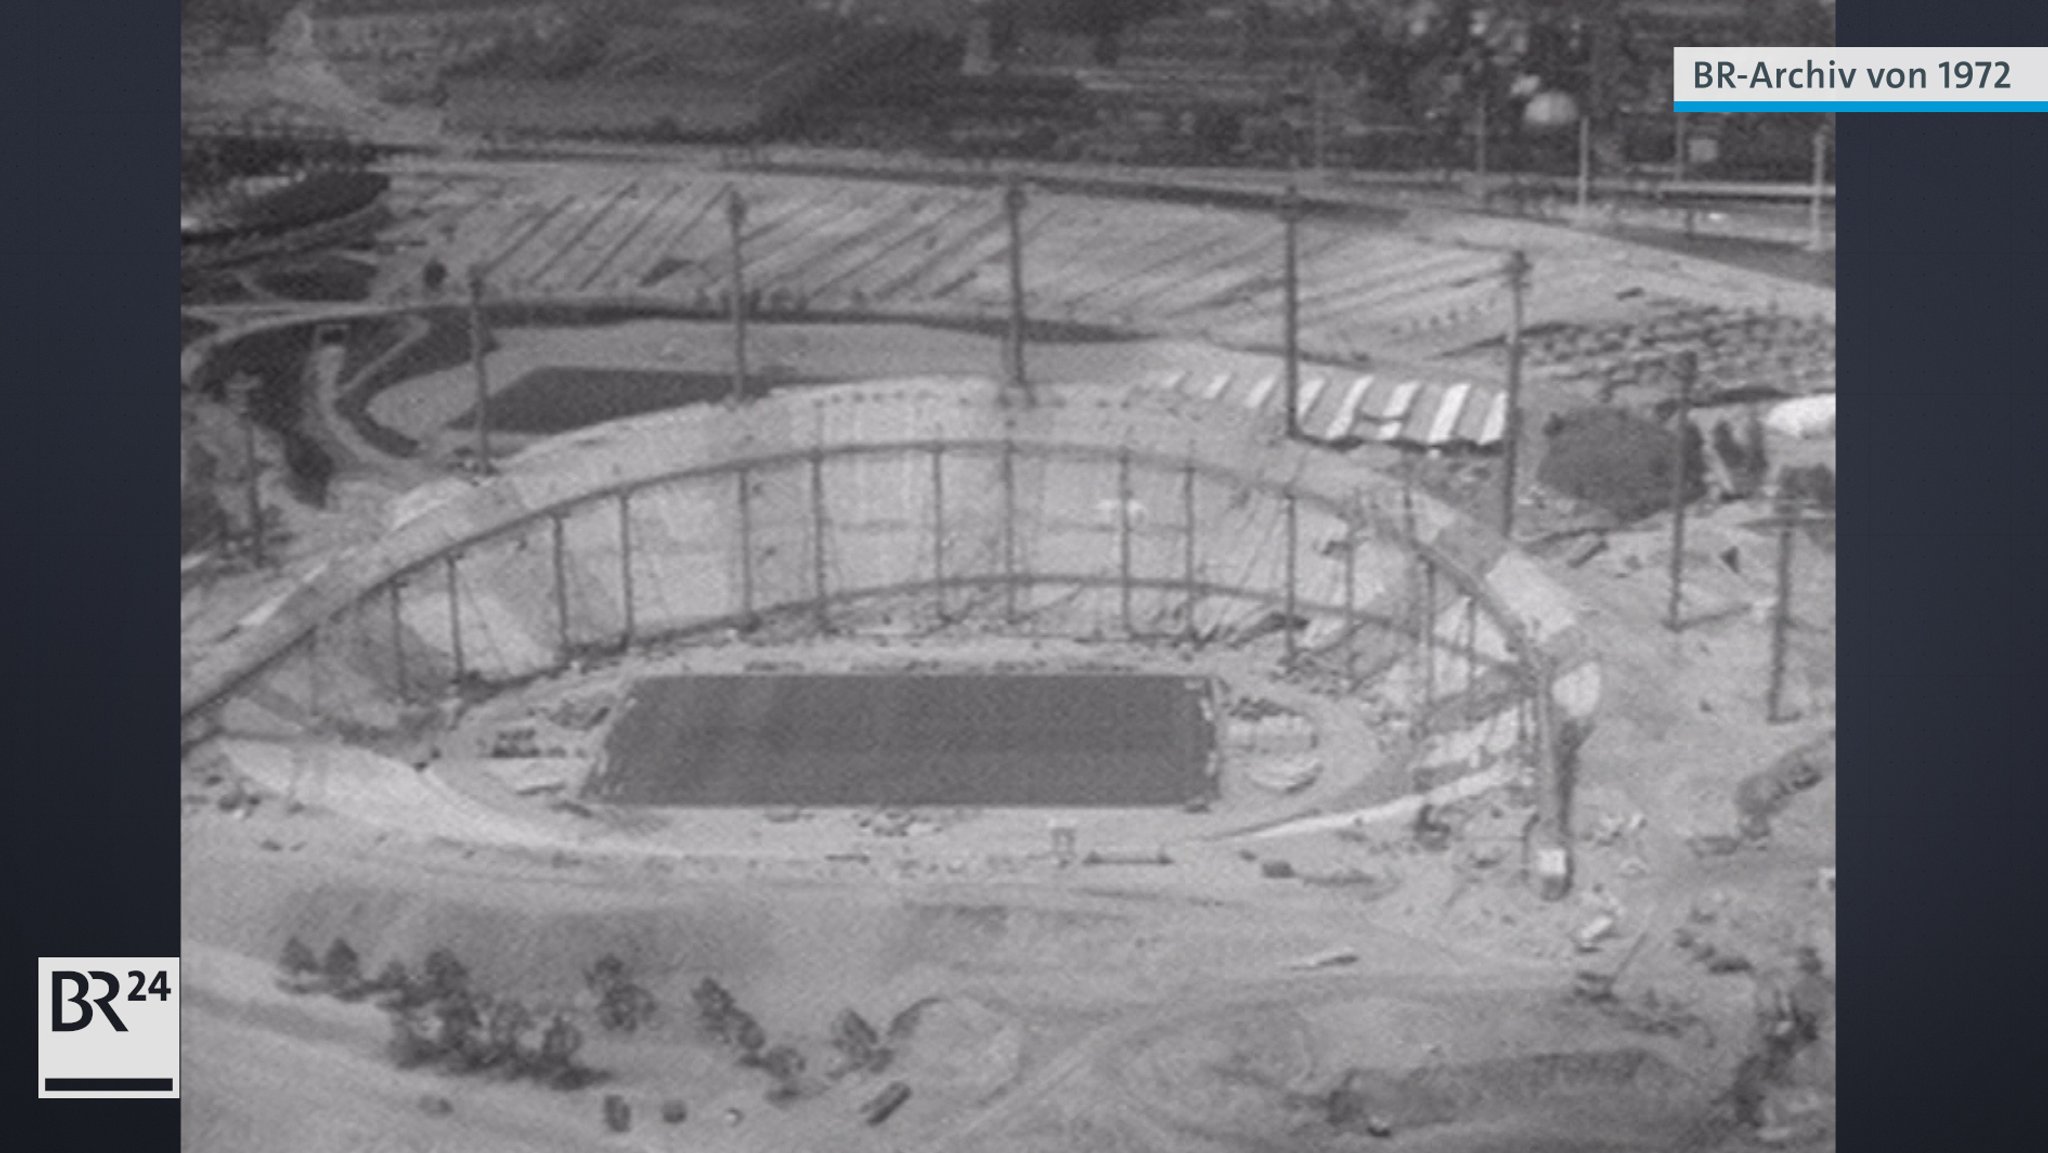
x=639, y=209
x=840, y=227
x=634, y=209
x=849, y=263
x=688, y=215
x=584, y=224
x=909, y=248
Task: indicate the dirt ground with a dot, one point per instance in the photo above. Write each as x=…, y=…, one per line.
x=1084, y=1007
x=1053, y=1015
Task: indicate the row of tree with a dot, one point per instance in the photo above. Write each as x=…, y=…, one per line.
x=208, y=161
x=439, y=1018
x=858, y=1045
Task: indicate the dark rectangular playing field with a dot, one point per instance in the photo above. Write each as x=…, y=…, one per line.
x=904, y=740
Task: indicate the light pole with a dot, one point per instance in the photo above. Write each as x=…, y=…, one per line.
x=476, y=361
x=736, y=219
x=1015, y=378
x=1517, y=274
x=1585, y=164
x=1317, y=122
x=1788, y=519
x=1688, y=368
x=1679, y=145
x=1818, y=238
x=1683, y=145
x=241, y=395
x=1290, y=219
x=1479, y=141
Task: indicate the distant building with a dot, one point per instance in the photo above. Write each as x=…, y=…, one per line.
x=421, y=33
x=709, y=79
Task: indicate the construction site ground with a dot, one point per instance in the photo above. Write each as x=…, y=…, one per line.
x=1088, y=1006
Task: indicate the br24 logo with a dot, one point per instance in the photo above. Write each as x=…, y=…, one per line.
x=60, y=979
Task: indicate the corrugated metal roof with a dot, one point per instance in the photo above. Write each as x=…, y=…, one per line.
x=1388, y=400
x=1346, y=416
x=1422, y=415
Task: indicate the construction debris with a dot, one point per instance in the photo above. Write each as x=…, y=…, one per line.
x=1760, y=796
x=1348, y=1106
x=1372, y=884
x=859, y=1046
x=1432, y=832
x=581, y=715
x=1612, y=827
x=1328, y=959
x=1289, y=775
x=1714, y=958
x=1588, y=936
x=722, y=1017
x=1586, y=550
x=1713, y=845
x=1127, y=857
x=517, y=743
x=1063, y=835
x=878, y=1108
x=897, y=823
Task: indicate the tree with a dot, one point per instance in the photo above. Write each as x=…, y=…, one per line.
x=411, y=1045
x=445, y=976
x=859, y=1046
x=1618, y=461
x=1217, y=133
x=716, y=1010
x=559, y=1044
x=748, y=1035
x=298, y=959
x=713, y=1003
x=556, y=1063
x=392, y=981
x=623, y=1007
x=608, y=971
x=459, y=1019
x=722, y=1017
x=1754, y=442
x=510, y=1021
x=1813, y=485
x=342, y=968
x=785, y=1065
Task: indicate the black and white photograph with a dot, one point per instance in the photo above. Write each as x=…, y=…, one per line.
x=1003, y=576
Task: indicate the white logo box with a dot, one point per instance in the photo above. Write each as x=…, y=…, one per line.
x=107, y=1027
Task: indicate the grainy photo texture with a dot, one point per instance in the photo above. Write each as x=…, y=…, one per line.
x=1003, y=575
